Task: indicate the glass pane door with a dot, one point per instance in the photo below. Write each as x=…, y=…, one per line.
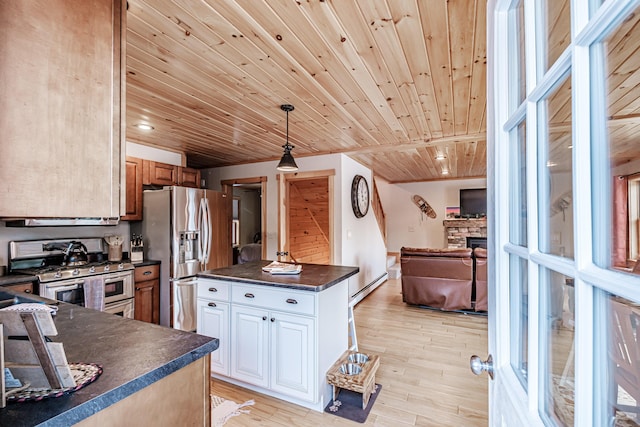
x=565, y=186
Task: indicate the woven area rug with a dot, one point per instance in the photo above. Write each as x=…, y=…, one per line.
x=349, y=405
x=222, y=410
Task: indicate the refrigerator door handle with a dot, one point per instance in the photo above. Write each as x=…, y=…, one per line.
x=209, y=234
x=203, y=232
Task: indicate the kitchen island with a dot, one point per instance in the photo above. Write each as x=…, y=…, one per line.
x=279, y=334
x=150, y=374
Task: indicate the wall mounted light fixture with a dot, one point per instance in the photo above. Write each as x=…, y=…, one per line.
x=287, y=163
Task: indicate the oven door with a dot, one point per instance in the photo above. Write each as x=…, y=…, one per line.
x=70, y=291
x=118, y=286
x=122, y=308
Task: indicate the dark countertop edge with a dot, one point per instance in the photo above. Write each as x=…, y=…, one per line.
x=103, y=401
x=146, y=262
x=297, y=286
x=12, y=279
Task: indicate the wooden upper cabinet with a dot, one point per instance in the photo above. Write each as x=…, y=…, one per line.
x=133, y=186
x=156, y=173
x=63, y=85
x=188, y=177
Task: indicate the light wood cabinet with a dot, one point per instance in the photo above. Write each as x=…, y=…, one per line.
x=133, y=189
x=179, y=399
x=62, y=131
x=147, y=293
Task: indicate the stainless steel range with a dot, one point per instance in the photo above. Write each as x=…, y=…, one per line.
x=66, y=268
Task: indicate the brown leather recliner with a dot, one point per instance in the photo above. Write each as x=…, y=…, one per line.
x=482, y=301
x=439, y=278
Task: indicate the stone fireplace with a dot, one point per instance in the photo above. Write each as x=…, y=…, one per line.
x=456, y=231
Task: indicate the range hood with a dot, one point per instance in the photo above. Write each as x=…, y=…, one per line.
x=59, y=222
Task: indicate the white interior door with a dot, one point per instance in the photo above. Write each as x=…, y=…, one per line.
x=564, y=189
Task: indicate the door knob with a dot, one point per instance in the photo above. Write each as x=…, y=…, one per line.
x=478, y=366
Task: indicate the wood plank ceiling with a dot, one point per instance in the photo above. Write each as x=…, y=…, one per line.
x=391, y=83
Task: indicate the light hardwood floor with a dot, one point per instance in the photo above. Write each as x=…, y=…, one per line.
x=424, y=370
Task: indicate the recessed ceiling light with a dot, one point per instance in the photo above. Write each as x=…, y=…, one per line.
x=440, y=156
x=144, y=126
x=551, y=164
x=445, y=171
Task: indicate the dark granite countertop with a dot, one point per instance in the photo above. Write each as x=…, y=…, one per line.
x=132, y=354
x=146, y=262
x=12, y=279
x=314, y=277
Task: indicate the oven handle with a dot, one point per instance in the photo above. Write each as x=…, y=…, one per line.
x=68, y=287
x=118, y=274
x=113, y=278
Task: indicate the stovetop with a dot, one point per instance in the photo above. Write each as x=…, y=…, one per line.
x=58, y=272
x=33, y=257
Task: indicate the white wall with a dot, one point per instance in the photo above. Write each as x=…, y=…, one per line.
x=157, y=155
x=356, y=241
x=362, y=241
x=406, y=224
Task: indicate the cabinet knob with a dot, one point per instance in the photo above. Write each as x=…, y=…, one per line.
x=291, y=301
x=137, y=289
x=264, y=317
x=212, y=304
x=248, y=295
x=146, y=273
x=273, y=319
x=27, y=291
x=213, y=290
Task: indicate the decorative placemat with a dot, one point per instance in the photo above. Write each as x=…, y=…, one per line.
x=83, y=374
x=349, y=405
x=30, y=307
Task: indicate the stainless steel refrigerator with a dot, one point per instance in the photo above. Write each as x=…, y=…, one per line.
x=177, y=230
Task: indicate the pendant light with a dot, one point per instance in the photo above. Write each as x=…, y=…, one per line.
x=287, y=164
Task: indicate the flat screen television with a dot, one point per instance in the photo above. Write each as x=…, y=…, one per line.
x=473, y=202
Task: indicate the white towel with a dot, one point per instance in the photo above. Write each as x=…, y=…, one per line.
x=94, y=293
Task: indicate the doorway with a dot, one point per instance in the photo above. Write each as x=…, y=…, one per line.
x=248, y=220
x=306, y=217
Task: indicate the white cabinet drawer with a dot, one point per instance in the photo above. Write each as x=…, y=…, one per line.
x=213, y=289
x=274, y=299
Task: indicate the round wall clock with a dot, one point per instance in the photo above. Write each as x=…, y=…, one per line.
x=359, y=196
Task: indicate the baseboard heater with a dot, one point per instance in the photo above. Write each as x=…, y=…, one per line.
x=374, y=283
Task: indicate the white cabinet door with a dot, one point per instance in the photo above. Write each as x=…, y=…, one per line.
x=292, y=355
x=250, y=345
x=213, y=321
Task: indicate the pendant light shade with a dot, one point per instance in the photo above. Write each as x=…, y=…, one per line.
x=287, y=163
